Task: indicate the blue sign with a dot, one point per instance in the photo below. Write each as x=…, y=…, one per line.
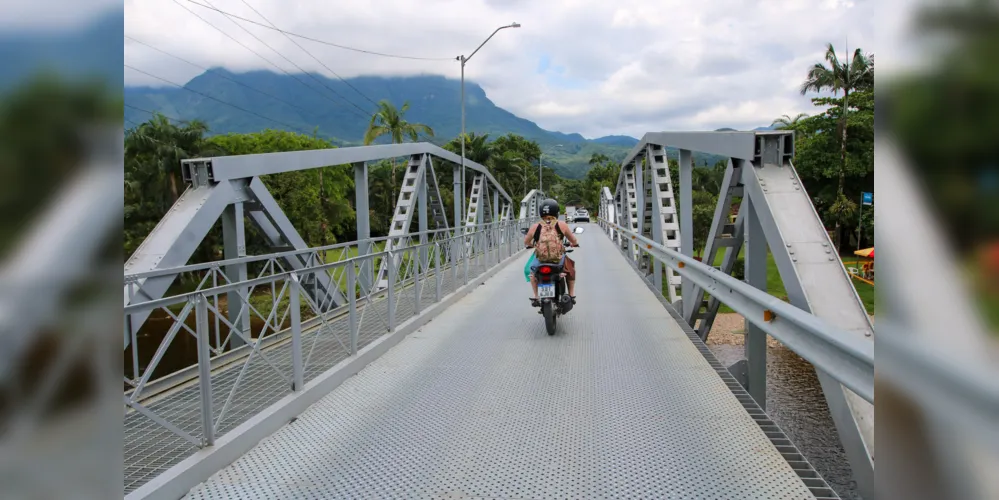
x=867, y=198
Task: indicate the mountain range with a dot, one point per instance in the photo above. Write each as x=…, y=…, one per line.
x=340, y=110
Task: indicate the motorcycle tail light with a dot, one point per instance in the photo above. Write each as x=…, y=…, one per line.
x=545, y=269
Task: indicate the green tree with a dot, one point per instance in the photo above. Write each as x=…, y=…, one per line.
x=168, y=144
x=834, y=189
x=703, y=207
x=512, y=158
x=387, y=120
x=477, y=147
x=315, y=200
x=786, y=122
x=848, y=76
x=153, y=152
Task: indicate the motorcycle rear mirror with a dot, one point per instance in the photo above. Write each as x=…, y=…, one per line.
x=578, y=230
x=523, y=230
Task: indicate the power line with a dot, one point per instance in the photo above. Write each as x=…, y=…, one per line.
x=419, y=134
x=310, y=75
x=292, y=127
x=219, y=74
x=309, y=53
x=154, y=113
x=324, y=42
x=195, y=14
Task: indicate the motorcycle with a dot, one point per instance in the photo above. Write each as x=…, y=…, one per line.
x=553, y=289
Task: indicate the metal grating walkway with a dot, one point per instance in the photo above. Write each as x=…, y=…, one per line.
x=481, y=403
x=150, y=449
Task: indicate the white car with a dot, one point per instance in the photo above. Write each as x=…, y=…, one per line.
x=581, y=215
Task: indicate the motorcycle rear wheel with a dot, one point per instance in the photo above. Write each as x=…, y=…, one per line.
x=548, y=309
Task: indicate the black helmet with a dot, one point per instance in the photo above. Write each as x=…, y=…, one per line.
x=548, y=207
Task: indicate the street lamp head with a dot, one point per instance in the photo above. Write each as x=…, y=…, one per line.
x=515, y=25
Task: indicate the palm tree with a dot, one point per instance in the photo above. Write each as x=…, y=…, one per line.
x=167, y=144
x=509, y=167
x=477, y=147
x=387, y=120
x=786, y=122
x=855, y=74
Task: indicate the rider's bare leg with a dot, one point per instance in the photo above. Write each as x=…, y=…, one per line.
x=572, y=288
x=534, y=285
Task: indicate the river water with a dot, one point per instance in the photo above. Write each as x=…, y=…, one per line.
x=795, y=403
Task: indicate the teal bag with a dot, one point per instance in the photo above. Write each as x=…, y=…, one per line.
x=527, y=268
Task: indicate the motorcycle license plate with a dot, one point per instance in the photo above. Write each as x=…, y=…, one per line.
x=546, y=291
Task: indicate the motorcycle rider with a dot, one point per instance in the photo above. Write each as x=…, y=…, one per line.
x=548, y=210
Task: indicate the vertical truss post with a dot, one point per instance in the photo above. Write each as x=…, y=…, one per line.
x=651, y=218
x=234, y=247
x=406, y=205
x=475, y=206
x=418, y=275
x=686, y=223
x=438, y=276
x=631, y=207
x=204, y=369
x=458, y=193
x=352, y=306
x=640, y=212
x=423, y=222
x=619, y=212
x=661, y=216
x=391, y=290
x=294, y=308
x=496, y=205
x=756, y=276
x=454, y=244
x=366, y=276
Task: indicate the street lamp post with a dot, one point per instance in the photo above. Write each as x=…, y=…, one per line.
x=460, y=198
x=541, y=163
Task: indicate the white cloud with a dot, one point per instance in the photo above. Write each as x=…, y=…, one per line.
x=623, y=67
x=51, y=16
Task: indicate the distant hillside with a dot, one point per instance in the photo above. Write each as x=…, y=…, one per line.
x=434, y=100
x=617, y=140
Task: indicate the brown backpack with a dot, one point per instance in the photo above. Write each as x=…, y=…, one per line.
x=548, y=245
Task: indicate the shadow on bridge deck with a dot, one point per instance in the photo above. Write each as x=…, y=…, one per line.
x=481, y=402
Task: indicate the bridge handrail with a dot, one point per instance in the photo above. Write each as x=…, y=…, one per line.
x=236, y=286
x=845, y=357
x=288, y=253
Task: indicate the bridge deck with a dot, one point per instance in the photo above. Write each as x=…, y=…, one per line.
x=482, y=403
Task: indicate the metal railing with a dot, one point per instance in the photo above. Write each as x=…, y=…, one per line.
x=847, y=358
x=289, y=338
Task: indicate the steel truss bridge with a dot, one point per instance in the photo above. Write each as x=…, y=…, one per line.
x=412, y=365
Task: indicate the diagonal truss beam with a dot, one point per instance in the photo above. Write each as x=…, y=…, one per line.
x=662, y=223
x=174, y=240
x=408, y=202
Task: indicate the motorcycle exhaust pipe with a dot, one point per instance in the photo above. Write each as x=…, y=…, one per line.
x=566, y=303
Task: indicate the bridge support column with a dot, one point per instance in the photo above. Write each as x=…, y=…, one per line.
x=458, y=197
x=366, y=276
x=687, y=224
x=234, y=247
x=756, y=276
x=423, y=222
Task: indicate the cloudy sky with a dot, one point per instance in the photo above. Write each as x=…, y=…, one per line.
x=597, y=67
